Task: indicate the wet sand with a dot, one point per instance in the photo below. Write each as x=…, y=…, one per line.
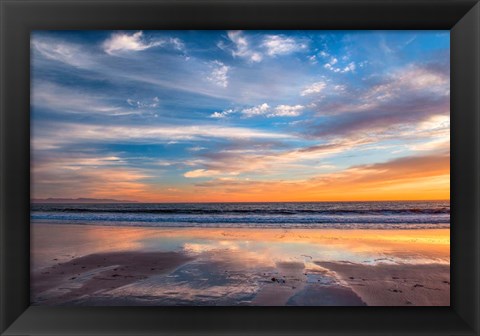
x=396, y=285
x=105, y=266
x=95, y=273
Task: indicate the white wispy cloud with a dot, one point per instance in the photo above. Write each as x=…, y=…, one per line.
x=196, y=149
x=256, y=110
x=281, y=45
x=144, y=104
x=121, y=42
x=219, y=74
x=314, y=88
x=64, y=52
x=69, y=100
x=350, y=67
x=347, y=68
x=269, y=45
x=263, y=110
x=413, y=79
x=287, y=111
x=242, y=47
x=177, y=43
x=222, y=114
x=332, y=62
x=70, y=133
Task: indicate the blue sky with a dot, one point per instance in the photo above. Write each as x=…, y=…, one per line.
x=239, y=115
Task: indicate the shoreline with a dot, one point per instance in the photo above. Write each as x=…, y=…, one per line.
x=283, y=226
x=105, y=265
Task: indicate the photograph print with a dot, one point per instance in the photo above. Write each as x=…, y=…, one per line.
x=240, y=168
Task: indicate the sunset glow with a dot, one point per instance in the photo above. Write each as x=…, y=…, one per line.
x=241, y=116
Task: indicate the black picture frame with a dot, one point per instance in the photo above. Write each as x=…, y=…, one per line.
x=19, y=17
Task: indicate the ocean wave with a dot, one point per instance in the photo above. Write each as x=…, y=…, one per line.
x=341, y=226
x=278, y=218
x=265, y=212
x=249, y=214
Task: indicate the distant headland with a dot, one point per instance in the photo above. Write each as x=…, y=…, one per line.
x=79, y=200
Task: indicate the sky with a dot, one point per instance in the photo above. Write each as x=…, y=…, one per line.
x=240, y=116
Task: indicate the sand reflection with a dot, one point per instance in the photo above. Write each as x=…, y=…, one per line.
x=238, y=266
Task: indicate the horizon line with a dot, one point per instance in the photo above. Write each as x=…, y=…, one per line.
x=210, y=202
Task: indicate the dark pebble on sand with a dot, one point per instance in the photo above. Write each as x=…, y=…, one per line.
x=274, y=279
x=417, y=285
x=73, y=278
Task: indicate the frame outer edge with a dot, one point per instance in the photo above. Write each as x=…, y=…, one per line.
x=14, y=178
x=3, y=143
x=476, y=158
x=476, y=321
x=467, y=164
x=3, y=325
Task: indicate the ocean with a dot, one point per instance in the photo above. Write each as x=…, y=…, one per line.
x=335, y=215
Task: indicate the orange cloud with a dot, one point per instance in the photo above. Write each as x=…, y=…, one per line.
x=409, y=178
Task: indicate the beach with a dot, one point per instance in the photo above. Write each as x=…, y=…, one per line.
x=95, y=265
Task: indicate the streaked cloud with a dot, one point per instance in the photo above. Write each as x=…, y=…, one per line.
x=390, y=180
x=287, y=111
x=201, y=173
x=70, y=100
x=347, y=68
x=63, y=52
x=242, y=47
x=219, y=74
x=267, y=46
x=144, y=104
x=125, y=42
x=281, y=45
x=256, y=110
x=316, y=87
x=222, y=114
x=99, y=177
x=68, y=133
